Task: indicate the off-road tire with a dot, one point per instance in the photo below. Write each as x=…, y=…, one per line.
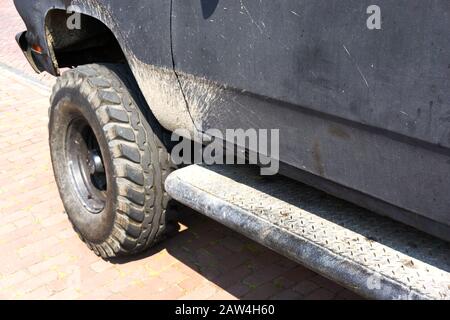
x=136, y=162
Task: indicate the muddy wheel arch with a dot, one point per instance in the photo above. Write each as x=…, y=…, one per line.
x=106, y=36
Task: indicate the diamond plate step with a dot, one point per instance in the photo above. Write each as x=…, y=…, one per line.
x=372, y=255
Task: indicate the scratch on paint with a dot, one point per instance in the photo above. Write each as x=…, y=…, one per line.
x=243, y=7
x=357, y=66
x=295, y=13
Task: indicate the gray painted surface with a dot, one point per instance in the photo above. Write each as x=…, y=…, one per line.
x=365, y=109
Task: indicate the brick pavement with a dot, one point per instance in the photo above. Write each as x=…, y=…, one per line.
x=10, y=54
x=42, y=258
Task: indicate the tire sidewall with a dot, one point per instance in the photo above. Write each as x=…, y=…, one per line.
x=68, y=104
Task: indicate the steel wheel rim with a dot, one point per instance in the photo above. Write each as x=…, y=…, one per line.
x=86, y=165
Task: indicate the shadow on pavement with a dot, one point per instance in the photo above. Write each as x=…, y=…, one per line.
x=237, y=264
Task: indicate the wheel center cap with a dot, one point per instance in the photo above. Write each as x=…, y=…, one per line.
x=95, y=163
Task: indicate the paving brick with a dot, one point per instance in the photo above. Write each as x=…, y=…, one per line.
x=287, y=294
x=239, y=290
x=98, y=280
x=39, y=294
x=205, y=291
x=120, y=284
x=117, y=297
x=305, y=287
x=190, y=284
x=58, y=285
x=234, y=276
x=41, y=246
x=8, y=228
x=144, y=290
x=50, y=264
x=172, y=293
x=233, y=244
x=223, y=295
x=66, y=294
x=172, y=277
x=294, y=275
x=326, y=283
x=97, y=294
x=263, y=292
x=15, y=263
x=13, y=279
x=345, y=294
x=263, y=275
x=100, y=265
x=320, y=294
x=34, y=283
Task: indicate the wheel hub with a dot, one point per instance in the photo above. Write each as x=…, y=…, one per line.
x=94, y=162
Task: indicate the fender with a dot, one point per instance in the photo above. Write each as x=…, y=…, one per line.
x=143, y=32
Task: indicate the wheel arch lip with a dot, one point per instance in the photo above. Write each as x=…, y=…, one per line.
x=33, y=15
x=148, y=64
x=36, y=14
x=31, y=55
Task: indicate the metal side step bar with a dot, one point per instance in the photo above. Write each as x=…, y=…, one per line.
x=372, y=255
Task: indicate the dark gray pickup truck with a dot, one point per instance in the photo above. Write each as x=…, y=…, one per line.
x=360, y=94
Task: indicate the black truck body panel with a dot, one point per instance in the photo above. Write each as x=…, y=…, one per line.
x=363, y=114
x=148, y=39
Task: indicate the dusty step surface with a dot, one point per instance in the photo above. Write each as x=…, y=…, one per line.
x=370, y=254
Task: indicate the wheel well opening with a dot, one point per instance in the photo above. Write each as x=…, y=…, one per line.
x=93, y=42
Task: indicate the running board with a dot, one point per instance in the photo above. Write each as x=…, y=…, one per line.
x=369, y=254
